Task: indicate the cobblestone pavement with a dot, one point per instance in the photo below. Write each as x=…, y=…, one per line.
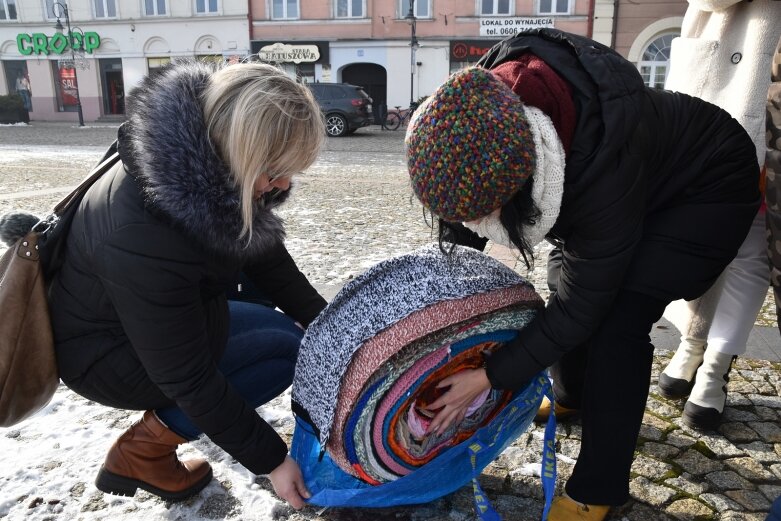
x=352, y=209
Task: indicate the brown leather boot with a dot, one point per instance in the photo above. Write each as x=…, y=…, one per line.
x=145, y=457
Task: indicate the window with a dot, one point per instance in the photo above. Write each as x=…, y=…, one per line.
x=349, y=8
x=422, y=8
x=155, y=64
x=105, y=8
x=7, y=9
x=655, y=62
x=284, y=9
x=553, y=7
x=51, y=12
x=155, y=8
x=205, y=6
x=494, y=7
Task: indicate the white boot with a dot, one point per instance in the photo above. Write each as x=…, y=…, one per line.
x=678, y=377
x=706, y=402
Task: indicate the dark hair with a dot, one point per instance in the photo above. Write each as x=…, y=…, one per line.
x=517, y=213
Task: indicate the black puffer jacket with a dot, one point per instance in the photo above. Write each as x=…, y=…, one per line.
x=645, y=170
x=139, y=309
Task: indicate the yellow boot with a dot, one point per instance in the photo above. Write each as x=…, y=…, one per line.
x=565, y=508
x=562, y=413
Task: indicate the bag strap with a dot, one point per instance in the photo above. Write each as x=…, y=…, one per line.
x=109, y=160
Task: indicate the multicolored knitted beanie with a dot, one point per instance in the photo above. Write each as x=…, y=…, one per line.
x=469, y=147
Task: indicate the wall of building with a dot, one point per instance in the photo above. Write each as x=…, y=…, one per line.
x=132, y=39
x=381, y=36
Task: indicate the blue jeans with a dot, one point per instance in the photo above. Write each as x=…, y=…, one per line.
x=258, y=362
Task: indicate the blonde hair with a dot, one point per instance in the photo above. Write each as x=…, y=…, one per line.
x=261, y=121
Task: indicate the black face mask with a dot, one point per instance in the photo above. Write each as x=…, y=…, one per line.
x=273, y=198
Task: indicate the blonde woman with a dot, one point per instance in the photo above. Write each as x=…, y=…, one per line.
x=139, y=309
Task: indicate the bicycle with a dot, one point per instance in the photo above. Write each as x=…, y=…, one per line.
x=396, y=118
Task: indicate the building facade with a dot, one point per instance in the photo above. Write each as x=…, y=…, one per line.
x=112, y=44
x=398, y=50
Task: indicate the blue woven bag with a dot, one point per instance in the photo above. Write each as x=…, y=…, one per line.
x=455, y=467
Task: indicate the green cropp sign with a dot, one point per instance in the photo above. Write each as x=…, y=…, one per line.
x=39, y=43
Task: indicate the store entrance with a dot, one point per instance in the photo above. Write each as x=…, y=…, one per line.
x=373, y=79
x=113, y=86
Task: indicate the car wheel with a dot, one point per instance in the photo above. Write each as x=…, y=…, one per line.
x=335, y=125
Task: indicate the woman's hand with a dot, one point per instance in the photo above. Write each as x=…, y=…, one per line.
x=465, y=387
x=288, y=483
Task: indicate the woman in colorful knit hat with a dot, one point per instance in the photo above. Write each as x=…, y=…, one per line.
x=646, y=195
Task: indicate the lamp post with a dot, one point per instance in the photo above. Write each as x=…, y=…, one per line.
x=413, y=46
x=60, y=10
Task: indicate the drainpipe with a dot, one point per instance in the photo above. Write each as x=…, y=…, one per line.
x=590, y=30
x=615, y=25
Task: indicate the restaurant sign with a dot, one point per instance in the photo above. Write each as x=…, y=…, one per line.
x=284, y=53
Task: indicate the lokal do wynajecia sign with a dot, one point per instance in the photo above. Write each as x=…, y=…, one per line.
x=508, y=26
x=39, y=43
x=281, y=52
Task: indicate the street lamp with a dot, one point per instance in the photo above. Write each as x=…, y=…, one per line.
x=60, y=10
x=413, y=46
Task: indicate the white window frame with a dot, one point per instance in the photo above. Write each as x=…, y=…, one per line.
x=284, y=11
x=154, y=4
x=655, y=65
x=105, y=9
x=206, y=12
x=510, y=8
x=404, y=9
x=7, y=14
x=553, y=12
x=349, y=14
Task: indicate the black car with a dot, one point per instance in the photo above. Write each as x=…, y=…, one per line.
x=346, y=107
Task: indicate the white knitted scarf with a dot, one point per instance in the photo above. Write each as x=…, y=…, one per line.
x=547, y=188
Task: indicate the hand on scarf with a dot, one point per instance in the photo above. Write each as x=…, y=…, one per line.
x=289, y=484
x=465, y=387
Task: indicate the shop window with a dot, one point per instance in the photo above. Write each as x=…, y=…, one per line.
x=7, y=9
x=18, y=81
x=349, y=8
x=305, y=72
x=155, y=8
x=422, y=8
x=495, y=7
x=66, y=85
x=555, y=7
x=281, y=9
x=655, y=62
x=206, y=6
x=154, y=65
x=105, y=8
x=216, y=58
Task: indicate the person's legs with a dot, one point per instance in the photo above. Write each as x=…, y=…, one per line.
x=617, y=378
x=258, y=361
x=746, y=282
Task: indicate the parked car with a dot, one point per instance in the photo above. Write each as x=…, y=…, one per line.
x=346, y=107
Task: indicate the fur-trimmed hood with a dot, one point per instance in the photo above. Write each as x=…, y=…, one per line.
x=165, y=145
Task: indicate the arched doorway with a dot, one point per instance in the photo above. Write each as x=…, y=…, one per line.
x=374, y=80
x=655, y=61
